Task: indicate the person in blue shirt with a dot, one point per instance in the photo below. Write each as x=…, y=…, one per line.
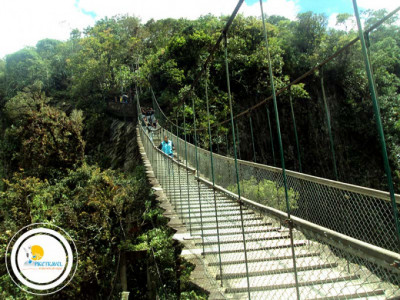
x=167, y=146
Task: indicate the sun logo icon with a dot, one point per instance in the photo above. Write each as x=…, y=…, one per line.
x=37, y=252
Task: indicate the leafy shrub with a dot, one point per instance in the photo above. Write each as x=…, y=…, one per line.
x=42, y=140
x=267, y=192
x=97, y=208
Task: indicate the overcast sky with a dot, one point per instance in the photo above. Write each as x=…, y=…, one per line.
x=25, y=22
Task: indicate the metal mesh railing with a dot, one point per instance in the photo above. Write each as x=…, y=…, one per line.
x=270, y=233
x=358, y=212
x=262, y=266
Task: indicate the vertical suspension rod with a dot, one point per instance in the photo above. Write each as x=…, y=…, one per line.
x=252, y=138
x=238, y=140
x=187, y=173
x=236, y=164
x=173, y=173
x=328, y=123
x=280, y=150
x=213, y=179
x=179, y=170
x=197, y=172
x=295, y=131
x=378, y=121
x=271, y=137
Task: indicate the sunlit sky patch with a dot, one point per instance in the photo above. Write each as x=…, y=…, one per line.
x=25, y=22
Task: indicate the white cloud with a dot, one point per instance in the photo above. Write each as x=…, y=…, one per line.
x=374, y=4
x=389, y=5
x=285, y=8
x=332, y=21
x=190, y=9
x=25, y=22
x=346, y=26
x=158, y=9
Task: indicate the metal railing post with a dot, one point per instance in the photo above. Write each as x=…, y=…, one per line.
x=378, y=121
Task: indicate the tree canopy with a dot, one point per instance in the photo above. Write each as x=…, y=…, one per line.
x=56, y=126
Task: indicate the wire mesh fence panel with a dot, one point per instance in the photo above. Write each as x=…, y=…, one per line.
x=325, y=267
x=336, y=271
x=315, y=239
x=362, y=213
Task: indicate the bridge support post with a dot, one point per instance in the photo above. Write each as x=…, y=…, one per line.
x=378, y=121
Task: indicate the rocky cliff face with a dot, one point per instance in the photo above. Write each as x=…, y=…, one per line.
x=122, y=147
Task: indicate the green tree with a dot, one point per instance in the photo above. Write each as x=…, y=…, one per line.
x=268, y=193
x=23, y=68
x=41, y=140
x=97, y=208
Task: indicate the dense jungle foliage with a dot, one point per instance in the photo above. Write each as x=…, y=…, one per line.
x=55, y=127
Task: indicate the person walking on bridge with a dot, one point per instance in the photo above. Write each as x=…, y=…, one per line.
x=167, y=146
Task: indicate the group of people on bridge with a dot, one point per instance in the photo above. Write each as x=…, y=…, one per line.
x=148, y=118
x=149, y=121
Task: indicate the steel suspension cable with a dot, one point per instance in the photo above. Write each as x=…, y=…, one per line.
x=280, y=91
x=227, y=143
x=252, y=138
x=218, y=141
x=281, y=151
x=295, y=132
x=179, y=169
x=173, y=175
x=213, y=178
x=210, y=57
x=236, y=163
x=271, y=137
x=328, y=124
x=186, y=171
x=312, y=70
x=238, y=141
x=378, y=121
x=197, y=172
x=214, y=49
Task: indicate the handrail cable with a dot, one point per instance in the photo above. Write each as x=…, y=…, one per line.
x=297, y=80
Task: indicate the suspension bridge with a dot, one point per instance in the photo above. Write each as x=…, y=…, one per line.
x=265, y=232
